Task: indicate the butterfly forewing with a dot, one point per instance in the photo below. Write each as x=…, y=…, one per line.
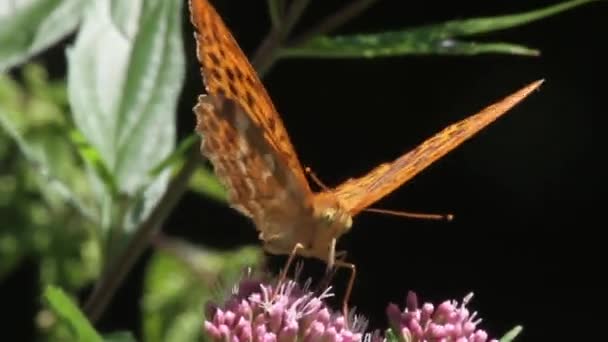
x=227, y=72
x=259, y=185
x=359, y=193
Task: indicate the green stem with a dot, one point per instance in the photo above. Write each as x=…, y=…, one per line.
x=120, y=267
x=334, y=21
x=266, y=55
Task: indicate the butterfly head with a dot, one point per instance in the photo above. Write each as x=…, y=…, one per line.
x=330, y=215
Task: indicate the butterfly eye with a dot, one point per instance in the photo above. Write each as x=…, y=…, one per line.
x=329, y=215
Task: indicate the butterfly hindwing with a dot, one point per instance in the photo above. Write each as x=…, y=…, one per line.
x=259, y=184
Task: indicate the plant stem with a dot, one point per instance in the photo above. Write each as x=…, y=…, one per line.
x=275, y=10
x=266, y=55
x=334, y=21
x=120, y=267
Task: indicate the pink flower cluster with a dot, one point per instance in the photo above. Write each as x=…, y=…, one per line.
x=449, y=322
x=260, y=312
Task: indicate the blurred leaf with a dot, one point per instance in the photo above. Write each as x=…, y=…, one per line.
x=121, y=336
x=179, y=281
x=431, y=39
x=27, y=27
x=36, y=81
x=40, y=162
x=177, y=156
x=206, y=183
x=390, y=336
x=512, y=334
x=70, y=314
x=44, y=203
x=123, y=85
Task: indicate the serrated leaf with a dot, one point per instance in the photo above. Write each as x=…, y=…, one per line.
x=27, y=27
x=123, y=83
x=179, y=281
x=432, y=39
x=70, y=314
x=512, y=334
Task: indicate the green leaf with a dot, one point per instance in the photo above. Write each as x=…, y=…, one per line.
x=120, y=336
x=431, y=39
x=177, y=157
x=392, y=337
x=395, y=44
x=70, y=314
x=126, y=70
x=93, y=158
x=512, y=334
x=179, y=280
x=206, y=183
x=40, y=160
x=39, y=163
x=27, y=27
x=45, y=200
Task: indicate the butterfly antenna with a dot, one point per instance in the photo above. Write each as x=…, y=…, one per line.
x=423, y=216
x=316, y=179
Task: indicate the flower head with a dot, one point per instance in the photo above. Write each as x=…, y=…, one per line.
x=448, y=322
x=259, y=311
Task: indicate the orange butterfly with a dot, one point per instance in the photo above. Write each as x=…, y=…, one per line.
x=245, y=140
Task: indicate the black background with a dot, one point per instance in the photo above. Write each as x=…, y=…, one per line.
x=522, y=191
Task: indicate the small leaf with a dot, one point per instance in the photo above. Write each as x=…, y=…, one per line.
x=125, y=72
x=70, y=314
x=431, y=39
x=27, y=27
x=468, y=27
x=395, y=44
x=206, y=183
x=512, y=334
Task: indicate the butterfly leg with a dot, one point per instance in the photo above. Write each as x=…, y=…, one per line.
x=351, y=282
x=292, y=255
x=341, y=255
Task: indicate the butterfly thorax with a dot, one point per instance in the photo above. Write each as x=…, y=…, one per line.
x=316, y=228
